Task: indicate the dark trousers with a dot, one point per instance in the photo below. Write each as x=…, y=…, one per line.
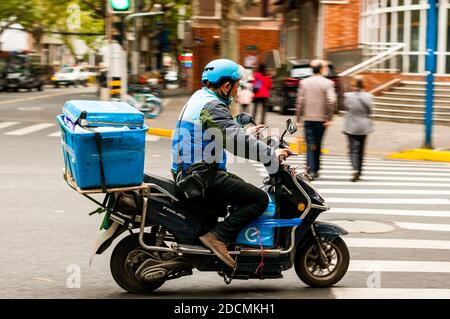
x=247, y=200
x=356, y=150
x=314, y=132
x=259, y=101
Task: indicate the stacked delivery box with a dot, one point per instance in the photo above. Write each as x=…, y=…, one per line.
x=103, y=143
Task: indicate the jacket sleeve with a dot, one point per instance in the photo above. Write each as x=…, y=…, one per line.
x=217, y=118
x=299, y=103
x=331, y=100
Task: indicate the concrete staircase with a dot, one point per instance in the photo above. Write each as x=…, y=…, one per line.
x=405, y=102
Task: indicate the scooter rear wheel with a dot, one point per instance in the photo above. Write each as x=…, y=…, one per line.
x=316, y=274
x=120, y=268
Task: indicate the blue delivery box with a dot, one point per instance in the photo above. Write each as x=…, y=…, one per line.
x=103, y=143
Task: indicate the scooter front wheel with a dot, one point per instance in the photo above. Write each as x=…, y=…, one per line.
x=319, y=273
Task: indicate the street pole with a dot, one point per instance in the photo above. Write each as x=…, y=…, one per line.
x=135, y=52
x=430, y=70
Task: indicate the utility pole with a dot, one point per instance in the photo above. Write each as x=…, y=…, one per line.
x=430, y=71
x=117, y=57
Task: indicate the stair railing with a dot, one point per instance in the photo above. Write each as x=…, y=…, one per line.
x=389, y=50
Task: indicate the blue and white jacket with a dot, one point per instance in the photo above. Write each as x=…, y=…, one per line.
x=206, y=129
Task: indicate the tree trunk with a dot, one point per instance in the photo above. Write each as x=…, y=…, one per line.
x=229, y=39
x=37, y=37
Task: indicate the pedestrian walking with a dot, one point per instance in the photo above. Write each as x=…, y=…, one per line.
x=244, y=96
x=316, y=98
x=358, y=124
x=261, y=87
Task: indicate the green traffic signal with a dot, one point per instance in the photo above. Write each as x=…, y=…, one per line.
x=120, y=5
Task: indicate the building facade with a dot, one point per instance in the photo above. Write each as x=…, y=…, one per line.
x=347, y=32
x=258, y=33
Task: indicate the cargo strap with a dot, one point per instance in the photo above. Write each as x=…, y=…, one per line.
x=98, y=142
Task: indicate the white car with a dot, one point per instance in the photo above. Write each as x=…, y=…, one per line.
x=71, y=76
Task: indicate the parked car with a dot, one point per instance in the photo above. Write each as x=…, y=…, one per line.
x=298, y=70
x=2, y=81
x=24, y=76
x=71, y=76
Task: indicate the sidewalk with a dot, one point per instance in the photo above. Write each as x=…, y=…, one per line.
x=389, y=138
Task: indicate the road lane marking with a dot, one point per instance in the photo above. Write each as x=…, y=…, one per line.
x=7, y=124
x=365, y=183
x=31, y=98
x=369, y=191
x=405, y=201
x=389, y=293
x=348, y=168
x=396, y=212
x=345, y=177
x=386, y=169
x=399, y=266
x=422, y=226
x=152, y=138
x=396, y=243
x=56, y=134
x=381, y=162
x=380, y=172
x=386, y=178
x=30, y=129
x=29, y=108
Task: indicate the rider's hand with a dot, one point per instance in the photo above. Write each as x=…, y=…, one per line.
x=327, y=123
x=253, y=130
x=282, y=153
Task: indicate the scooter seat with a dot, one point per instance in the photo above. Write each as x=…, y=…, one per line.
x=163, y=182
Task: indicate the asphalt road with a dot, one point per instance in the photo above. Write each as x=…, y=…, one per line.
x=398, y=217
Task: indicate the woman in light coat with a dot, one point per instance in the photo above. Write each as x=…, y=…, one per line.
x=358, y=123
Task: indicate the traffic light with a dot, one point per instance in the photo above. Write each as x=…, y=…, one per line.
x=118, y=29
x=120, y=6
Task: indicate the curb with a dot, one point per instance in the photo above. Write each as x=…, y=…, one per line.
x=160, y=132
x=298, y=145
x=422, y=155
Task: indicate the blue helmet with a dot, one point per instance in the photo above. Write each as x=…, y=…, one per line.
x=220, y=70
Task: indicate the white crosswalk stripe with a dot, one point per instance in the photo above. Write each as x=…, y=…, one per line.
x=56, y=134
x=7, y=124
x=421, y=226
x=411, y=199
x=390, y=293
x=391, y=212
x=399, y=266
x=30, y=129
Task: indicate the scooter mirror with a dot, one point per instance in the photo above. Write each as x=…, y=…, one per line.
x=244, y=119
x=291, y=127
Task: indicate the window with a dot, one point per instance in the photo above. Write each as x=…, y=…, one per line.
x=399, y=21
